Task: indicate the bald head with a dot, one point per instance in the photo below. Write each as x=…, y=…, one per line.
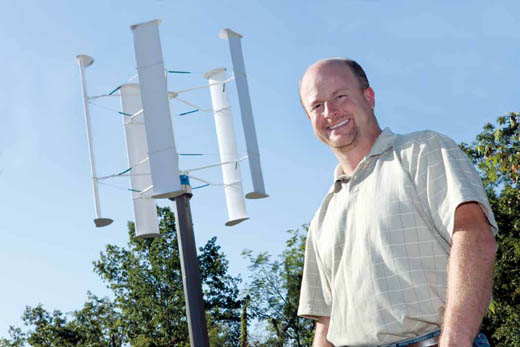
x=349, y=64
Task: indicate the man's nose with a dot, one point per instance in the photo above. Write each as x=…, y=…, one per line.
x=331, y=110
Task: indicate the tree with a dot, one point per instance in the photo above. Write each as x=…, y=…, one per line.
x=275, y=292
x=220, y=295
x=100, y=322
x=97, y=324
x=50, y=329
x=146, y=280
x=244, y=341
x=148, y=306
x=496, y=154
x=17, y=338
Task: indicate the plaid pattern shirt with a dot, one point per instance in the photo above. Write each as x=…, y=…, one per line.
x=377, y=249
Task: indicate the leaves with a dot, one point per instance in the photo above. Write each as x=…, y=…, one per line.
x=496, y=153
x=274, y=290
x=148, y=306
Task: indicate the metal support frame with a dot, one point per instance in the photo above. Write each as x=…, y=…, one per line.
x=190, y=273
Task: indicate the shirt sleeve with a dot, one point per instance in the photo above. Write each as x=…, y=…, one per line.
x=446, y=178
x=315, y=294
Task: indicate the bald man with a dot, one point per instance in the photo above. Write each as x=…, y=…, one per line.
x=401, y=250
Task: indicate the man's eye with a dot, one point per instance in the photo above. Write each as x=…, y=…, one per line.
x=341, y=96
x=316, y=106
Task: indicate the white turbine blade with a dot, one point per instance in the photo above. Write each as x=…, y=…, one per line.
x=145, y=210
x=239, y=69
x=156, y=107
x=235, y=202
x=83, y=62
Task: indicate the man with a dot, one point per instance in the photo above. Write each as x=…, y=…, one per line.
x=403, y=243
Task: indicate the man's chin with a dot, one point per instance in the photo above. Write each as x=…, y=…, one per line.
x=338, y=144
x=341, y=144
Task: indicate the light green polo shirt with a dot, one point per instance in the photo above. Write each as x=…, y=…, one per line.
x=377, y=249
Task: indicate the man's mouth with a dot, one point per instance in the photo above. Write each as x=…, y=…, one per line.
x=340, y=124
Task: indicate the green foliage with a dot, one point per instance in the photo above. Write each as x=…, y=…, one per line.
x=17, y=338
x=496, y=153
x=148, y=307
x=99, y=322
x=96, y=325
x=275, y=292
x=146, y=279
x=220, y=295
x=51, y=329
x=147, y=283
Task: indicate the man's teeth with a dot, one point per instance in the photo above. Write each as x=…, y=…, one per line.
x=339, y=124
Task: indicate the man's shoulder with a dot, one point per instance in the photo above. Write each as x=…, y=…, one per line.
x=422, y=142
x=423, y=137
x=427, y=145
x=322, y=210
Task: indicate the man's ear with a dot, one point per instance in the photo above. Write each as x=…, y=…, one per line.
x=370, y=96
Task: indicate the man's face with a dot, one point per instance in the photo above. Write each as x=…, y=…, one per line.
x=341, y=113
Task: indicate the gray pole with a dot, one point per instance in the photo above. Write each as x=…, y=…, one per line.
x=190, y=273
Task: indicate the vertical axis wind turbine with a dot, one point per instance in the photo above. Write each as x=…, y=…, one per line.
x=154, y=162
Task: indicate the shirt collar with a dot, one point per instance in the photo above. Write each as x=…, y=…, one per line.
x=384, y=141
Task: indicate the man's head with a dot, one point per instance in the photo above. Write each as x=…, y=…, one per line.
x=338, y=100
x=349, y=63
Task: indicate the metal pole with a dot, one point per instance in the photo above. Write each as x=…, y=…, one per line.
x=190, y=273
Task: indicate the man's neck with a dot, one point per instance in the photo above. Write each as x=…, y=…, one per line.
x=349, y=157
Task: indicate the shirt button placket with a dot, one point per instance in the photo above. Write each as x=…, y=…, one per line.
x=356, y=174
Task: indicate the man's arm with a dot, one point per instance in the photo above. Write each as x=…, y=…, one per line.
x=470, y=276
x=320, y=333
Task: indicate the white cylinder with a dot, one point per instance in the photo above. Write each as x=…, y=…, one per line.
x=235, y=202
x=246, y=111
x=145, y=210
x=83, y=62
x=164, y=160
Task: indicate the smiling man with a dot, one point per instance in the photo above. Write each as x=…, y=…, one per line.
x=403, y=244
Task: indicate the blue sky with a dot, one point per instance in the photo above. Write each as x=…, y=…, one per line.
x=445, y=66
